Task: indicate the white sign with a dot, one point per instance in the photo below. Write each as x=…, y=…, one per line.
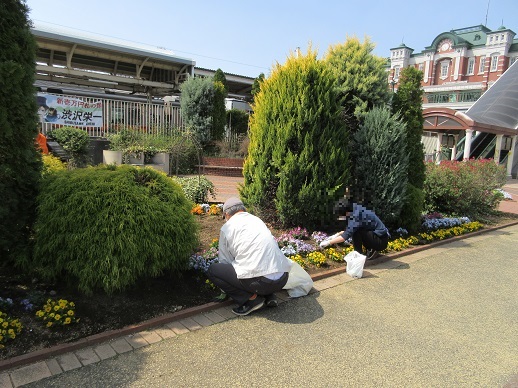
x=69, y=111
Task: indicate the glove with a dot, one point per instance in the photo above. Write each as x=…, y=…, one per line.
x=325, y=243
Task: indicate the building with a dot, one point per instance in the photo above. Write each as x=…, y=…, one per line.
x=458, y=68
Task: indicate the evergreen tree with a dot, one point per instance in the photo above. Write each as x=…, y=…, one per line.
x=361, y=78
x=197, y=105
x=219, y=116
x=381, y=165
x=407, y=102
x=20, y=161
x=256, y=86
x=297, y=163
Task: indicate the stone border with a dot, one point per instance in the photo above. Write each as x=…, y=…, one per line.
x=199, y=311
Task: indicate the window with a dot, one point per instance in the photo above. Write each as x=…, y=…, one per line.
x=482, y=64
x=444, y=69
x=396, y=72
x=471, y=65
x=421, y=67
x=494, y=62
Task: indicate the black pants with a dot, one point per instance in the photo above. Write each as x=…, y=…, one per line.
x=369, y=240
x=240, y=290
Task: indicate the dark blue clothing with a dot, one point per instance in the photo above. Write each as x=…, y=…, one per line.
x=365, y=220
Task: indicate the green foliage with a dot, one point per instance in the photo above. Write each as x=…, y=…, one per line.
x=413, y=205
x=237, y=120
x=219, y=76
x=219, y=112
x=108, y=227
x=361, y=78
x=20, y=160
x=465, y=188
x=52, y=164
x=256, y=86
x=197, y=189
x=297, y=163
x=75, y=141
x=380, y=172
x=197, y=106
x=407, y=102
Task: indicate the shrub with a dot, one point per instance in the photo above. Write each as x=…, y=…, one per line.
x=467, y=188
x=237, y=121
x=380, y=172
x=52, y=164
x=106, y=227
x=75, y=141
x=197, y=189
x=410, y=217
x=20, y=160
x=297, y=164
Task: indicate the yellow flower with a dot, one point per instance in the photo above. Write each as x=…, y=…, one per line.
x=57, y=317
x=56, y=308
x=5, y=324
x=67, y=320
x=49, y=324
x=70, y=313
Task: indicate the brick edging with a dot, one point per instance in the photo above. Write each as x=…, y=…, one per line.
x=43, y=354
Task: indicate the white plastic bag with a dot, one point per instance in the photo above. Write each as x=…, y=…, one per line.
x=299, y=282
x=355, y=262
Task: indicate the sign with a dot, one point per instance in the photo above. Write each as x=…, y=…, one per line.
x=69, y=111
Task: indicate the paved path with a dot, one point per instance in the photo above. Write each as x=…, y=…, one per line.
x=443, y=317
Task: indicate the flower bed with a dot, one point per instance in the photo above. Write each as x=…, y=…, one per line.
x=302, y=247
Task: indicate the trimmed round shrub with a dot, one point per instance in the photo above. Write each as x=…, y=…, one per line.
x=106, y=227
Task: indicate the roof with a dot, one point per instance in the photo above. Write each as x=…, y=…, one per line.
x=498, y=106
x=64, y=34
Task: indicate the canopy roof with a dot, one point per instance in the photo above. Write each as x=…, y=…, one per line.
x=498, y=106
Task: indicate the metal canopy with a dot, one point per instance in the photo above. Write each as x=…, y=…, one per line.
x=79, y=58
x=498, y=106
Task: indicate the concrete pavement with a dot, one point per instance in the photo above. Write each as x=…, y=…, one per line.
x=442, y=317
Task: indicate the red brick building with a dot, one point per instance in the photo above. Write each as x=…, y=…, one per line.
x=458, y=67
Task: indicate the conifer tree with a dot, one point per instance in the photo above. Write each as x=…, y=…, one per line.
x=219, y=111
x=407, y=102
x=197, y=104
x=361, y=78
x=256, y=86
x=20, y=161
x=297, y=163
x=380, y=171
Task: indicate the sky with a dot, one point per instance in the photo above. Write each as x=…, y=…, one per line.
x=249, y=37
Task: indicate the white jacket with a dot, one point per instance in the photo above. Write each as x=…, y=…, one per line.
x=246, y=242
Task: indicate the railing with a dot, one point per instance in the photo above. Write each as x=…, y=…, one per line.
x=451, y=97
x=149, y=117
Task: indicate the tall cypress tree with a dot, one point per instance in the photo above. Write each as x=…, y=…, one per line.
x=407, y=102
x=297, y=163
x=219, y=117
x=20, y=161
x=361, y=78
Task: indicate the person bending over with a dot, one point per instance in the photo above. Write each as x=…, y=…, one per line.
x=251, y=266
x=364, y=228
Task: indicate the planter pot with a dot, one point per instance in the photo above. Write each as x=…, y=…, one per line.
x=136, y=158
x=112, y=157
x=160, y=158
x=160, y=161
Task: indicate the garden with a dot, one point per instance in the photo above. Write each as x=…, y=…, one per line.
x=86, y=249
